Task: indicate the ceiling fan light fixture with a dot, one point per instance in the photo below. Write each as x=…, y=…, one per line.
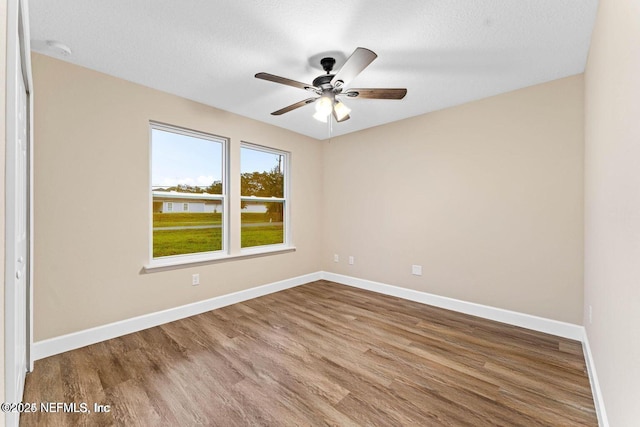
x=341, y=110
x=321, y=117
x=324, y=106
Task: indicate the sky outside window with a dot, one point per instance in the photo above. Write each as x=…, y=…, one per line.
x=184, y=160
x=258, y=161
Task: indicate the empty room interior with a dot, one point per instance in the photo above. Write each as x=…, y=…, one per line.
x=321, y=213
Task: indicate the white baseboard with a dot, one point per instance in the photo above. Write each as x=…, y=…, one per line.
x=528, y=321
x=598, y=401
x=57, y=345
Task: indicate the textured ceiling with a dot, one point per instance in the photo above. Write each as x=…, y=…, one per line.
x=444, y=52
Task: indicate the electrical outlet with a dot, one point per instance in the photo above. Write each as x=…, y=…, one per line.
x=590, y=315
x=336, y=258
x=352, y=260
x=416, y=270
x=195, y=279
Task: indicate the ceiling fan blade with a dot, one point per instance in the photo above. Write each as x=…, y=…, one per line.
x=335, y=116
x=358, y=61
x=293, y=106
x=376, y=93
x=285, y=81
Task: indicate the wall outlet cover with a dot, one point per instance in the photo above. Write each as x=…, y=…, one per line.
x=416, y=270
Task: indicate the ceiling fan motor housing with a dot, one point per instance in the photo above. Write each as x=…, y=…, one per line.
x=327, y=64
x=323, y=81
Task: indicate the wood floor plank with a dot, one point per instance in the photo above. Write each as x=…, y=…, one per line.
x=321, y=354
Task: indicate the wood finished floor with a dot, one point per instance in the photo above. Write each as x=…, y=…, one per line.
x=321, y=354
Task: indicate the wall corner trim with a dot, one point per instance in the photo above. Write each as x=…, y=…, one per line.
x=598, y=400
x=72, y=341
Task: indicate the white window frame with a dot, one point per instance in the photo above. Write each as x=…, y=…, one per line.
x=172, y=260
x=227, y=252
x=286, y=244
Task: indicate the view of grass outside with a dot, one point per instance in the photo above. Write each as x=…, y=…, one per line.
x=186, y=233
x=260, y=229
x=181, y=242
x=186, y=219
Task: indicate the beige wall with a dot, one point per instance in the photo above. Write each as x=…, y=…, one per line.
x=612, y=206
x=92, y=201
x=487, y=197
x=3, y=85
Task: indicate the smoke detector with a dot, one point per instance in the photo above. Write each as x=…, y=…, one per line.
x=58, y=48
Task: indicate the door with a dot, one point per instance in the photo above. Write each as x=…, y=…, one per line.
x=17, y=209
x=20, y=253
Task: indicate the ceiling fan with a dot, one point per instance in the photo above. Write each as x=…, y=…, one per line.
x=330, y=86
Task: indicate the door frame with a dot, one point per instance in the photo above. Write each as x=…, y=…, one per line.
x=18, y=49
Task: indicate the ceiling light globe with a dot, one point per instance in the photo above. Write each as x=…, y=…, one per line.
x=320, y=117
x=324, y=106
x=341, y=110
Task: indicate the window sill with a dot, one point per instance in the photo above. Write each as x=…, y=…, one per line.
x=189, y=261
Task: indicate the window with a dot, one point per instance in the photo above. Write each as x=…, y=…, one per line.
x=188, y=172
x=190, y=210
x=263, y=196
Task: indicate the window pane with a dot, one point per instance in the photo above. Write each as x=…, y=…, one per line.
x=185, y=163
x=180, y=233
x=262, y=223
x=262, y=173
x=186, y=171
